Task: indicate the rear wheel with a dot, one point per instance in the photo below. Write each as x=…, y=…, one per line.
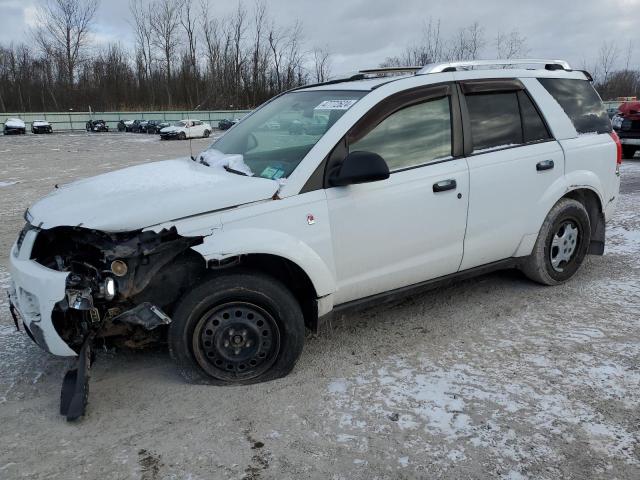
x=206, y=134
x=562, y=244
x=628, y=151
x=237, y=328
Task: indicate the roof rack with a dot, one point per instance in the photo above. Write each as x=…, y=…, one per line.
x=468, y=64
x=390, y=70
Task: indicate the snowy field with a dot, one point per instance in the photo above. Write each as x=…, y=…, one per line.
x=491, y=378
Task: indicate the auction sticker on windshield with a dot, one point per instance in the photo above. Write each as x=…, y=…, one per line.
x=336, y=105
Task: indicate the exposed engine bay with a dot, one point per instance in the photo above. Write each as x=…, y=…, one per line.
x=120, y=286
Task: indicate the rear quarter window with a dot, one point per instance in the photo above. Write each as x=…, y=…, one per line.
x=581, y=103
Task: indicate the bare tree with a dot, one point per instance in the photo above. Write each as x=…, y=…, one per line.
x=321, y=64
x=165, y=20
x=63, y=29
x=143, y=33
x=607, y=56
x=468, y=43
x=511, y=45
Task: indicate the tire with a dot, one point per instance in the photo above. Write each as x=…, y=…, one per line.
x=237, y=329
x=182, y=136
x=628, y=151
x=206, y=134
x=569, y=226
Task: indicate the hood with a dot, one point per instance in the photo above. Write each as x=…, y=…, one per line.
x=172, y=128
x=147, y=195
x=14, y=123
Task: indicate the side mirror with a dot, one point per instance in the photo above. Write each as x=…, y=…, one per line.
x=360, y=167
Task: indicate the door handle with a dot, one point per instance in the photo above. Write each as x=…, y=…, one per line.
x=544, y=165
x=444, y=185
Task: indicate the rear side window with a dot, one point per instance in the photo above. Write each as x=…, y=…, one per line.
x=580, y=102
x=533, y=126
x=504, y=119
x=495, y=120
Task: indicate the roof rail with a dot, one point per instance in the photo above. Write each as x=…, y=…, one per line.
x=390, y=70
x=467, y=64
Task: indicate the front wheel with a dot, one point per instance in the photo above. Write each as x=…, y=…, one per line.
x=237, y=328
x=182, y=136
x=562, y=244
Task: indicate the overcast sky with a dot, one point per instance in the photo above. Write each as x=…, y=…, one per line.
x=362, y=33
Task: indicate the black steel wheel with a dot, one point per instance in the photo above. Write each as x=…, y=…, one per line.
x=236, y=340
x=237, y=328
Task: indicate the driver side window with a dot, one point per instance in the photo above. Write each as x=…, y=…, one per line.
x=412, y=136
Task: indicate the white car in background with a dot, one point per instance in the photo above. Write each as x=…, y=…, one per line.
x=186, y=129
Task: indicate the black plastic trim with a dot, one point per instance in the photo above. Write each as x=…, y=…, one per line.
x=427, y=285
x=490, y=85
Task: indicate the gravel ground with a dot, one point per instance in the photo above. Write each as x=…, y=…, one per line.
x=491, y=378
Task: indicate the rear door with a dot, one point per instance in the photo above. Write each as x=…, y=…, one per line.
x=513, y=160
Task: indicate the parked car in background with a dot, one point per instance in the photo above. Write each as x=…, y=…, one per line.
x=154, y=126
x=14, y=126
x=186, y=129
x=135, y=126
x=41, y=126
x=627, y=125
x=226, y=124
x=96, y=126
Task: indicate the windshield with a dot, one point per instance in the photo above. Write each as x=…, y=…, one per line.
x=276, y=137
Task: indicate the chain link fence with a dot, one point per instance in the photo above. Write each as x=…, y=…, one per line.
x=69, y=121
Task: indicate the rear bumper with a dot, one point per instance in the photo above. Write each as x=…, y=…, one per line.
x=34, y=292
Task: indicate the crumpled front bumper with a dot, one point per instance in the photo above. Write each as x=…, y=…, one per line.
x=34, y=291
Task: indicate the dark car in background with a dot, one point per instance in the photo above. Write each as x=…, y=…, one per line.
x=136, y=126
x=41, y=126
x=626, y=123
x=14, y=126
x=96, y=126
x=154, y=126
x=226, y=124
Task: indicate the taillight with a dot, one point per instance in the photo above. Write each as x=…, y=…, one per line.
x=616, y=139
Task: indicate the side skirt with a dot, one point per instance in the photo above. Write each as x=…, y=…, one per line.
x=399, y=293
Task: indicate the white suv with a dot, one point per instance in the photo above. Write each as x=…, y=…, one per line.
x=395, y=183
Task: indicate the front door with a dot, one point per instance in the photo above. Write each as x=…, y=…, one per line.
x=410, y=227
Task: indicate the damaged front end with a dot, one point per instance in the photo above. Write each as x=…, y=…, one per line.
x=74, y=286
x=119, y=285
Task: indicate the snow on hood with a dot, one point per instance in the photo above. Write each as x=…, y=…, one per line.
x=14, y=122
x=172, y=128
x=147, y=195
x=41, y=123
x=215, y=158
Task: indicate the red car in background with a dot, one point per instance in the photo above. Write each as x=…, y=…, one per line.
x=627, y=125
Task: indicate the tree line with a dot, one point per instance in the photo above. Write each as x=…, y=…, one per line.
x=185, y=57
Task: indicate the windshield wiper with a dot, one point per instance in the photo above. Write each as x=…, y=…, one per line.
x=237, y=172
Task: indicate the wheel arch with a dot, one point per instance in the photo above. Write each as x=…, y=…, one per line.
x=593, y=204
x=288, y=259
